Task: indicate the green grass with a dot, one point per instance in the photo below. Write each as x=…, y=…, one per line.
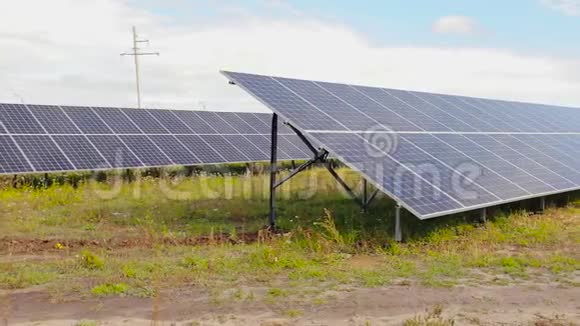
x=328, y=243
x=110, y=289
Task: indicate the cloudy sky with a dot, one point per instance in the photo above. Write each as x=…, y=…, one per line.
x=67, y=51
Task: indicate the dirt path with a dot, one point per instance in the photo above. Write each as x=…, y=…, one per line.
x=13, y=245
x=521, y=305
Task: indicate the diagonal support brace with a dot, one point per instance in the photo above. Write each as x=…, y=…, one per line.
x=371, y=198
x=321, y=157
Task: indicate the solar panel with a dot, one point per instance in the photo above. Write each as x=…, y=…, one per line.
x=117, y=121
x=195, y=122
x=170, y=121
x=117, y=154
x=217, y=123
x=12, y=159
x=202, y=149
x=18, y=120
x=175, y=150
x=41, y=138
x=145, y=121
x=87, y=120
x=228, y=149
x=53, y=119
x=81, y=152
x=435, y=154
x=43, y=153
x=237, y=123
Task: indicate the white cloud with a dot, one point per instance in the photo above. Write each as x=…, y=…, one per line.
x=567, y=7
x=459, y=25
x=67, y=52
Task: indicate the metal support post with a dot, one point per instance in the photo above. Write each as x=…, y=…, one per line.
x=542, y=204
x=364, y=195
x=273, y=170
x=483, y=217
x=398, y=231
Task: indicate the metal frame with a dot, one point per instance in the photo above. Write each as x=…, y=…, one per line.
x=398, y=228
x=232, y=81
x=319, y=156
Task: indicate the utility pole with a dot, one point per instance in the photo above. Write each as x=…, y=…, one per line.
x=136, y=53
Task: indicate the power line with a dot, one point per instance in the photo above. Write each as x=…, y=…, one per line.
x=136, y=53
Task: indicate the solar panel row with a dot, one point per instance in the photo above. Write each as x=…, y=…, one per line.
x=329, y=106
x=37, y=138
x=435, y=154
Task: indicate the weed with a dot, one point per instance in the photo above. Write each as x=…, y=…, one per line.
x=431, y=318
x=90, y=260
x=24, y=276
x=277, y=292
x=86, y=323
x=293, y=313
x=110, y=289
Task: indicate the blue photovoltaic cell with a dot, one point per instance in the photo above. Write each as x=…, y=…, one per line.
x=217, y=123
x=171, y=122
x=12, y=160
x=81, y=152
x=530, y=166
x=202, y=150
x=145, y=150
x=43, y=153
x=258, y=124
x=274, y=95
x=541, y=158
x=53, y=119
x=237, y=123
x=418, y=118
x=494, y=162
x=117, y=120
x=475, y=121
x=444, y=177
x=551, y=148
x=333, y=106
x=381, y=114
x=225, y=148
x=450, y=121
x=145, y=121
x=255, y=146
x=477, y=172
x=114, y=151
x=194, y=122
x=86, y=120
x=176, y=151
x=293, y=146
x=478, y=108
x=18, y=120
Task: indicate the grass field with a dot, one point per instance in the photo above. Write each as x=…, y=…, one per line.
x=155, y=238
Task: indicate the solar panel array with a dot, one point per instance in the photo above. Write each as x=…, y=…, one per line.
x=435, y=154
x=42, y=138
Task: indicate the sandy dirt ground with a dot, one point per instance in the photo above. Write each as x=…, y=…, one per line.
x=479, y=305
